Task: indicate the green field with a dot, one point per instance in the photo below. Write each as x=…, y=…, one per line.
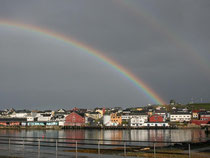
x=198, y=106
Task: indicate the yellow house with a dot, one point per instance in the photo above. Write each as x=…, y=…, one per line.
x=116, y=119
x=139, y=109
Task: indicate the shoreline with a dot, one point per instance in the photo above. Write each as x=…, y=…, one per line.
x=93, y=127
x=177, y=150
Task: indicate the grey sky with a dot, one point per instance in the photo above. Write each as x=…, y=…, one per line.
x=163, y=42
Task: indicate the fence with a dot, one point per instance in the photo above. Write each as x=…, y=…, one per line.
x=59, y=146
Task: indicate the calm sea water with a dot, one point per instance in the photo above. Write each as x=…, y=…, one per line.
x=174, y=135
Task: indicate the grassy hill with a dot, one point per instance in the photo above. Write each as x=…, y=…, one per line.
x=198, y=106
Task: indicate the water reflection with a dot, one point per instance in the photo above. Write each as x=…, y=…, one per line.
x=191, y=135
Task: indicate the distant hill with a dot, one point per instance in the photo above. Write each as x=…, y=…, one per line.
x=198, y=106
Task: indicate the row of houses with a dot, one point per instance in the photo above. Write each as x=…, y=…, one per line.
x=132, y=117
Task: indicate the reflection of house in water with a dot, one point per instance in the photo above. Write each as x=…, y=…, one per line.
x=181, y=135
x=74, y=134
x=149, y=135
x=93, y=134
x=198, y=135
x=157, y=135
x=10, y=132
x=116, y=135
x=141, y=135
x=113, y=135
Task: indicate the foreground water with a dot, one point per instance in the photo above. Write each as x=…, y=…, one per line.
x=174, y=135
x=167, y=135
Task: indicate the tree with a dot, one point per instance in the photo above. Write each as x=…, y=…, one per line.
x=172, y=102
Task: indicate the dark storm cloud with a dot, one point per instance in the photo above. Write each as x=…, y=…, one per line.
x=126, y=36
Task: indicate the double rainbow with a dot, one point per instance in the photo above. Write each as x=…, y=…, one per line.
x=91, y=51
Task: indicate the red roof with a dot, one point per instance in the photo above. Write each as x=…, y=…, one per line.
x=196, y=111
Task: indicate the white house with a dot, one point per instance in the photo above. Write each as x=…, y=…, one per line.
x=155, y=124
x=128, y=117
x=20, y=114
x=30, y=118
x=44, y=117
x=180, y=117
x=107, y=120
x=163, y=114
x=140, y=116
x=61, y=110
x=136, y=122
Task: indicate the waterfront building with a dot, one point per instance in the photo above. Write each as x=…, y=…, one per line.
x=116, y=119
x=75, y=119
x=195, y=114
x=11, y=121
x=34, y=124
x=156, y=118
x=205, y=116
x=20, y=114
x=31, y=118
x=107, y=120
x=155, y=124
x=180, y=117
x=136, y=122
x=141, y=115
x=162, y=113
x=61, y=123
x=44, y=117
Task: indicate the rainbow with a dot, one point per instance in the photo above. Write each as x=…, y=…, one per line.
x=173, y=36
x=91, y=51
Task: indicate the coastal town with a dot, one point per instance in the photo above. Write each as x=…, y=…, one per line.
x=151, y=116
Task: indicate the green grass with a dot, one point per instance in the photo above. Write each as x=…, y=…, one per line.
x=198, y=106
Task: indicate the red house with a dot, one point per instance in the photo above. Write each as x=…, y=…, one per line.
x=156, y=118
x=205, y=116
x=74, y=119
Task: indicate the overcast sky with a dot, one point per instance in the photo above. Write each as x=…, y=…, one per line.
x=165, y=43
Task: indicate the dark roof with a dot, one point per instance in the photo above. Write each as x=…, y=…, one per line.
x=46, y=114
x=22, y=111
x=48, y=111
x=138, y=113
x=160, y=111
x=204, y=113
x=13, y=119
x=182, y=113
x=94, y=113
x=81, y=114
